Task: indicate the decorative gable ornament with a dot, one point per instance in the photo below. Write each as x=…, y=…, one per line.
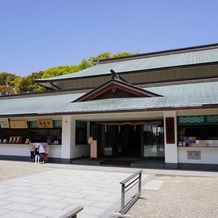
x=116, y=88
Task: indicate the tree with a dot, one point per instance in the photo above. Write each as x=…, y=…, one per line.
x=123, y=54
x=13, y=84
x=27, y=84
x=7, y=83
x=59, y=71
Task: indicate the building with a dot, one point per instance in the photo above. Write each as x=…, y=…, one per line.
x=161, y=105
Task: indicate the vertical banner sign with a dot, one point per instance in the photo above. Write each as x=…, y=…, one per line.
x=170, y=130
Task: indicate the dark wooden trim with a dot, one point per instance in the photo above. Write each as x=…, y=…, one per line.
x=170, y=130
x=116, y=85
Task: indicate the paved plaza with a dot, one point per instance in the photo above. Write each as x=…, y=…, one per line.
x=55, y=191
x=49, y=190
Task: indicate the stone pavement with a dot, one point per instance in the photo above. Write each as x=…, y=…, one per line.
x=56, y=191
x=49, y=190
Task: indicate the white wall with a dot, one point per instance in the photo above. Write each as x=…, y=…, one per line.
x=54, y=151
x=69, y=148
x=68, y=131
x=209, y=155
x=15, y=149
x=23, y=150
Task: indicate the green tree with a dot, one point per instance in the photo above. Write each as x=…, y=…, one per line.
x=85, y=63
x=13, y=84
x=123, y=54
x=27, y=84
x=59, y=71
x=102, y=56
x=7, y=83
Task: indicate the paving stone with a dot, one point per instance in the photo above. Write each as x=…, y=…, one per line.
x=53, y=193
x=153, y=185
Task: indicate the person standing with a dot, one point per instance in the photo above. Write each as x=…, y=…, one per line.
x=32, y=152
x=41, y=152
x=36, y=145
x=46, y=154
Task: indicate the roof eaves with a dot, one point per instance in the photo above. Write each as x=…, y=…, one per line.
x=161, y=53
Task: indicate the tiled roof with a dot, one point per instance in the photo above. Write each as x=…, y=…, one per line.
x=146, y=62
x=174, y=96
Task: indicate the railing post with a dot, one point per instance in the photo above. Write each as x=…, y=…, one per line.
x=140, y=183
x=122, y=198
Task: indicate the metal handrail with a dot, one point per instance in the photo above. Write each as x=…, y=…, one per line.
x=126, y=185
x=72, y=213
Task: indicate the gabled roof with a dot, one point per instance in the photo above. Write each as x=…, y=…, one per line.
x=156, y=60
x=115, y=88
x=175, y=97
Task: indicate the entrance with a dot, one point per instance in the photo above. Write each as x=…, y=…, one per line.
x=135, y=140
x=124, y=140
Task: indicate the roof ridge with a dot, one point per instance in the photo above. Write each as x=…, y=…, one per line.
x=161, y=53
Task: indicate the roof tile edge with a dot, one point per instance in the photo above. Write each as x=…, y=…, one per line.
x=160, y=53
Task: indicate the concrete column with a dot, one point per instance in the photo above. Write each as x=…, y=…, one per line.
x=170, y=139
x=68, y=138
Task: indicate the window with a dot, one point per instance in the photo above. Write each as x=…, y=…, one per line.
x=6, y=134
x=197, y=135
x=81, y=132
x=45, y=135
x=35, y=134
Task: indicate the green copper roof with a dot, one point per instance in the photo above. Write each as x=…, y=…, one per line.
x=174, y=96
x=146, y=62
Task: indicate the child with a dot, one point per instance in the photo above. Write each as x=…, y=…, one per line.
x=42, y=152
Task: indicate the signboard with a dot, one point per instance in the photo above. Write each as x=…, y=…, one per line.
x=170, y=130
x=90, y=139
x=194, y=155
x=45, y=124
x=4, y=123
x=18, y=124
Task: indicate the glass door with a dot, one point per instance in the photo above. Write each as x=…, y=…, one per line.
x=153, y=141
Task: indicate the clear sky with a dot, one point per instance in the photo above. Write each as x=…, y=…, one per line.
x=38, y=34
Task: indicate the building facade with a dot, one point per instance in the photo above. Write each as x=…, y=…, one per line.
x=156, y=105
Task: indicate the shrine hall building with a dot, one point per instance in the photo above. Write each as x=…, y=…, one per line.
x=154, y=106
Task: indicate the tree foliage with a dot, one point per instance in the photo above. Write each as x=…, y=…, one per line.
x=8, y=83
x=11, y=84
x=59, y=71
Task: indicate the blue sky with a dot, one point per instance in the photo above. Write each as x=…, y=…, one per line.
x=38, y=34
